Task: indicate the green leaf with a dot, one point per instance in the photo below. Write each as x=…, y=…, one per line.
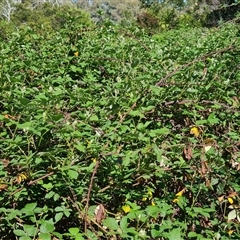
x=212, y=119
x=29, y=208
x=24, y=126
x=155, y=233
x=13, y=213
x=58, y=209
x=45, y=236
x=56, y=197
x=73, y=231
x=175, y=234
x=156, y=90
x=159, y=132
x=111, y=223
x=152, y=211
x=124, y=223
x=67, y=212
x=94, y=118
x=30, y=230
x=147, y=109
x=157, y=151
x=47, y=227
x=58, y=216
x=48, y=186
x=19, y=232
x=136, y=113
x=25, y=238
x=192, y=234
x=49, y=195
x=80, y=147
x=73, y=174
x=58, y=91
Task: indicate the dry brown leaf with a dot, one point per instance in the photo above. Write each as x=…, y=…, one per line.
x=204, y=168
x=100, y=213
x=5, y=162
x=208, y=183
x=232, y=194
x=187, y=153
x=221, y=198
x=3, y=187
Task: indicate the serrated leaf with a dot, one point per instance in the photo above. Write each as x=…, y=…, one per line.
x=29, y=208
x=58, y=209
x=73, y=231
x=45, y=236
x=124, y=223
x=152, y=211
x=147, y=109
x=136, y=113
x=156, y=90
x=49, y=194
x=73, y=174
x=159, y=132
x=110, y=223
x=30, y=230
x=80, y=147
x=19, y=232
x=94, y=118
x=56, y=196
x=58, y=216
x=25, y=125
x=175, y=234
x=47, y=227
x=192, y=234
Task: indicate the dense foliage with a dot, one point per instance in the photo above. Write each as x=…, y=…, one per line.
x=108, y=132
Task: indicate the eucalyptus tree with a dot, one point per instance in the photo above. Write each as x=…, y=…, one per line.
x=111, y=9
x=7, y=7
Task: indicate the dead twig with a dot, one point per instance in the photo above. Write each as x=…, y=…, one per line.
x=162, y=81
x=88, y=194
x=32, y=182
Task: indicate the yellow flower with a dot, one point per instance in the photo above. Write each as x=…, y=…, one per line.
x=94, y=160
x=195, y=131
x=230, y=200
x=153, y=203
x=76, y=54
x=150, y=194
x=230, y=231
x=21, y=177
x=126, y=208
x=179, y=194
x=175, y=200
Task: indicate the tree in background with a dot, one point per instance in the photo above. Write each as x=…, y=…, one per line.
x=117, y=11
x=186, y=13
x=7, y=7
x=153, y=15
x=124, y=11
x=44, y=17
